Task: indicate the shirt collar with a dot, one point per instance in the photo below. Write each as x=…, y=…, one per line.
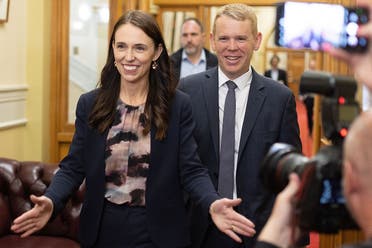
x=203, y=57
x=242, y=81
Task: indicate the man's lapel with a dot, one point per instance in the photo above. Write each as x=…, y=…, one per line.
x=210, y=93
x=256, y=99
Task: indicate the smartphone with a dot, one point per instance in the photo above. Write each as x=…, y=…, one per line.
x=301, y=25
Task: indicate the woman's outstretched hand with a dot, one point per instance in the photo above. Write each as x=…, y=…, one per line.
x=34, y=219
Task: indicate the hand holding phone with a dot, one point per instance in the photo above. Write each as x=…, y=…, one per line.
x=302, y=25
x=360, y=63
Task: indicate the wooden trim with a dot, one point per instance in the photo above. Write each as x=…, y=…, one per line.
x=64, y=137
x=13, y=123
x=13, y=99
x=64, y=58
x=207, y=25
x=144, y=5
x=54, y=77
x=59, y=75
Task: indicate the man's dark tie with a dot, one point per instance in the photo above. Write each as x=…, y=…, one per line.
x=226, y=171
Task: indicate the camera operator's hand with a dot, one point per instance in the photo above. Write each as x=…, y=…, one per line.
x=361, y=63
x=279, y=230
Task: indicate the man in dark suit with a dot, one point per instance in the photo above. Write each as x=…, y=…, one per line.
x=275, y=72
x=265, y=113
x=192, y=57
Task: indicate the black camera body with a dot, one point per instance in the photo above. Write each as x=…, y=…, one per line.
x=339, y=107
x=320, y=204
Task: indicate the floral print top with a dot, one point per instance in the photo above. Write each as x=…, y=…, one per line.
x=127, y=157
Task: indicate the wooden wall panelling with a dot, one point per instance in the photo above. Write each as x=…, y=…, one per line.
x=207, y=22
x=136, y=4
x=118, y=7
x=295, y=68
x=170, y=8
x=144, y=5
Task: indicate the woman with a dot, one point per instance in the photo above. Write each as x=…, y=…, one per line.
x=134, y=147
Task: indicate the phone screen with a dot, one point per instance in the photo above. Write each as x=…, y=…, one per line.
x=302, y=25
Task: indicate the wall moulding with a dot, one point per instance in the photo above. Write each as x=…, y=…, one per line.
x=13, y=106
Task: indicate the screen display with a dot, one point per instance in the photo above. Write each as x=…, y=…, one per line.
x=310, y=25
x=347, y=113
x=332, y=192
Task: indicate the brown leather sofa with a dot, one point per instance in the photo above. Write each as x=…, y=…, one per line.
x=17, y=181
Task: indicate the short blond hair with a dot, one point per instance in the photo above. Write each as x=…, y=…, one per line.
x=239, y=12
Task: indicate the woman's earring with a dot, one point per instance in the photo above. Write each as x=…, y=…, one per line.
x=154, y=65
x=116, y=64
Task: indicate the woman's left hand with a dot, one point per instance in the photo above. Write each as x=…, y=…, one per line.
x=229, y=221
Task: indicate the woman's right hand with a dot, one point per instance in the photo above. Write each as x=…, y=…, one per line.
x=34, y=219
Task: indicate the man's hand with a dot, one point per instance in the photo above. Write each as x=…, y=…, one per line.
x=229, y=221
x=34, y=219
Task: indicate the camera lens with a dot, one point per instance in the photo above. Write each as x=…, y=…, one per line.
x=320, y=205
x=281, y=160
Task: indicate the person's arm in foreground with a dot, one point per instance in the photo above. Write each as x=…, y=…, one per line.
x=279, y=231
x=361, y=63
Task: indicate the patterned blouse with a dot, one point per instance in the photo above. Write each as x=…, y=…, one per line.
x=127, y=157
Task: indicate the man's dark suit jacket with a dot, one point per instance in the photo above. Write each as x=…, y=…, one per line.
x=270, y=117
x=282, y=76
x=174, y=167
x=176, y=59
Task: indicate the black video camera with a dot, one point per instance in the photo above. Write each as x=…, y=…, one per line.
x=320, y=202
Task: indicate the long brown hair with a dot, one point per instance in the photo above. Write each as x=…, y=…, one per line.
x=161, y=87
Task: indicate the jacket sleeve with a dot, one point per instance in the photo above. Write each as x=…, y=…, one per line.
x=194, y=176
x=290, y=131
